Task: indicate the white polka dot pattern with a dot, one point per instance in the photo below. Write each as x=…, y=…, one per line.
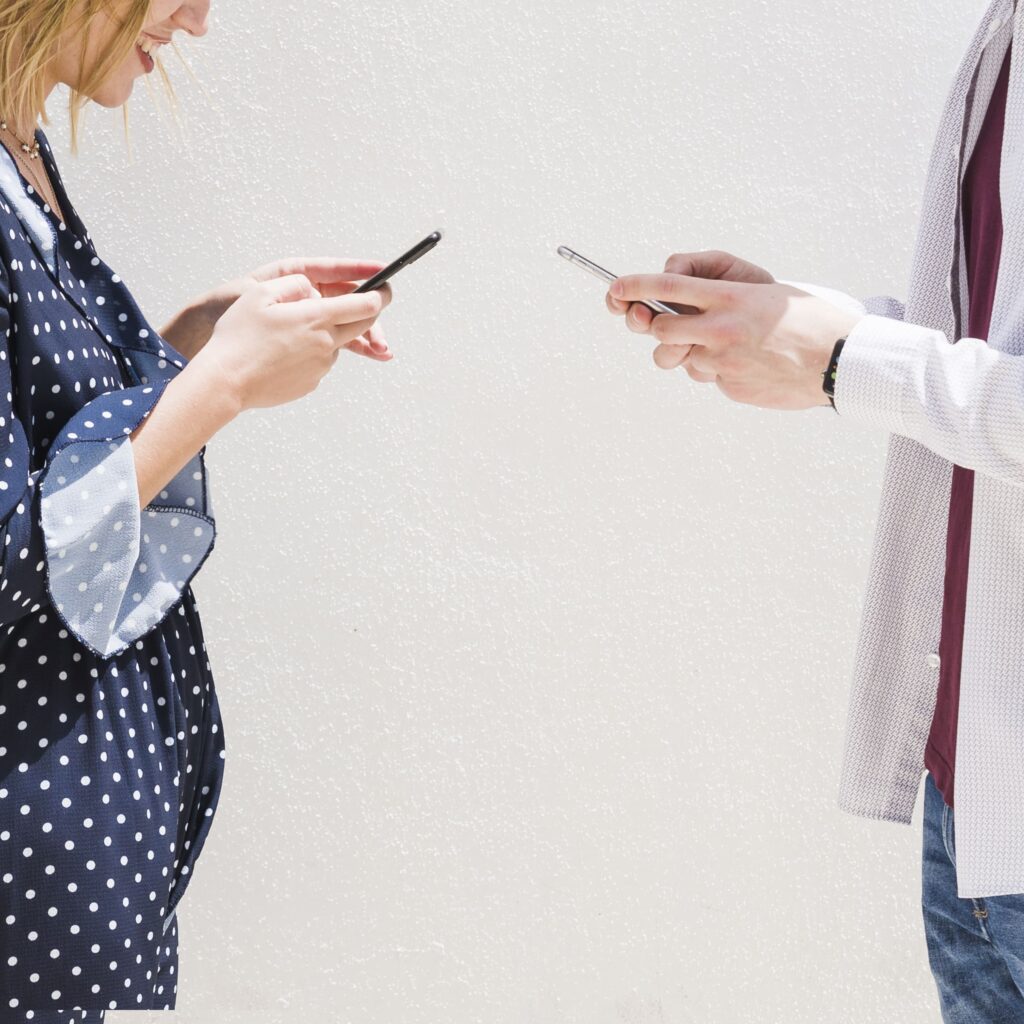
x=33, y=219
x=111, y=741
x=114, y=573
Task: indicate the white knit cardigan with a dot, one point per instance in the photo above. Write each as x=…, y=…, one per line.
x=948, y=403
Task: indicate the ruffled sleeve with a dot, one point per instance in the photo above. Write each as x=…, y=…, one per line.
x=114, y=570
x=73, y=532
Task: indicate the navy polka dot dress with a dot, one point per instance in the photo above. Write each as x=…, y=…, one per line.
x=111, y=745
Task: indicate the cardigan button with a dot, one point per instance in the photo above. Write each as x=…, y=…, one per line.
x=994, y=27
x=933, y=660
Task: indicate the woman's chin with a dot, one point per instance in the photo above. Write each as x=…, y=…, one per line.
x=114, y=94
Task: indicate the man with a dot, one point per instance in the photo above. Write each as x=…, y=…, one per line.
x=939, y=678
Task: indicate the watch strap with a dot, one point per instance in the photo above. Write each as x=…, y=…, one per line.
x=828, y=383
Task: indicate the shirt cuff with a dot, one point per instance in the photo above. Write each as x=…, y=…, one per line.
x=882, y=362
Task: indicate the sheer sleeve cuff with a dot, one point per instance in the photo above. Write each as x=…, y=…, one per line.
x=113, y=570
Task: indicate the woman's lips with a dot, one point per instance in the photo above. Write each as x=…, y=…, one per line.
x=146, y=60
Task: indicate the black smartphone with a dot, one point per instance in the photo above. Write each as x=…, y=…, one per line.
x=418, y=250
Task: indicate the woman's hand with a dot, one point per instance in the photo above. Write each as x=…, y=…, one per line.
x=190, y=329
x=282, y=336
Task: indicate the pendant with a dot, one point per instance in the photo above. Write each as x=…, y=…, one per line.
x=32, y=151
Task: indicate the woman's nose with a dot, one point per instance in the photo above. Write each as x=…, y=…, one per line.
x=191, y=17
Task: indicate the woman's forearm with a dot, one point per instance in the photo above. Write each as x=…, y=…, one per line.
x=194, y=406
x=190, y=328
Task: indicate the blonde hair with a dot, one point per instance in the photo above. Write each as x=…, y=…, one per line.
x=31, y=32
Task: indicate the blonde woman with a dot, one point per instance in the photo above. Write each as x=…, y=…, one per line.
x=111, y=746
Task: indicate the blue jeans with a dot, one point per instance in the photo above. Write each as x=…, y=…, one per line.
x=976, y=947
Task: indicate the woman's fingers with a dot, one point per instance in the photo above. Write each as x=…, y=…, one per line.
x=346, y=334
x=350, y=309
x=290, y=288
x=321, y=270
x=331, y=291
x=361, y=347
x=376, y=339
x=372, y=345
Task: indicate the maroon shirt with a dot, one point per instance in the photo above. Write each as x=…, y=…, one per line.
x=983, y=242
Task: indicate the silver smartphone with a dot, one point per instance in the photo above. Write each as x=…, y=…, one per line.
x=607, y=276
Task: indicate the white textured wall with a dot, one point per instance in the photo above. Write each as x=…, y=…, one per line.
x=535, y=660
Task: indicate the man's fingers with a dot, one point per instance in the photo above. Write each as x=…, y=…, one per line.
x=711, y=264
x=701, y=361
x=614, y=306
x=681, y=330
x=639, y=318
x=671, y=357
x=700, y=378
x=676, y=288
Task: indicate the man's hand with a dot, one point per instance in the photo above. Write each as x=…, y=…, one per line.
x=713, y=264
x=762, y=344
x=190, y=329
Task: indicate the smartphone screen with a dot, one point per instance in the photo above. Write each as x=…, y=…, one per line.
x=418, y=250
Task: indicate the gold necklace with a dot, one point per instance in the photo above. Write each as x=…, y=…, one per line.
x=30, y=153
x=31, y=149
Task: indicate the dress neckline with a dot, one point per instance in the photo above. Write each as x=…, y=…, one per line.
x=71, y=219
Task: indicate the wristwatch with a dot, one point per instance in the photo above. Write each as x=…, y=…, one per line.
x=828, y=384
